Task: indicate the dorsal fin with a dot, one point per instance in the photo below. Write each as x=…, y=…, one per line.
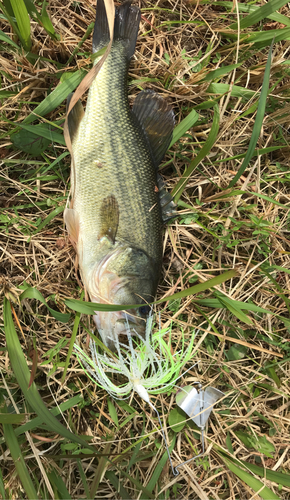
x=156, y=118
x=75, y=117
x=168, y=207
x=109, y=214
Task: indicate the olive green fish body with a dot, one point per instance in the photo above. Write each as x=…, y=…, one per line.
x=112, y=159
x=117, y=197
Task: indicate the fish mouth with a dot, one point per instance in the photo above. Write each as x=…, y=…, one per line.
x=112, y=325
x=129, y=324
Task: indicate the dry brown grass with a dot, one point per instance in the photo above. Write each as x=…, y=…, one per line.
x=219, y=233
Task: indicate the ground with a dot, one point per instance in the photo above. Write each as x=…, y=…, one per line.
x=228, y=169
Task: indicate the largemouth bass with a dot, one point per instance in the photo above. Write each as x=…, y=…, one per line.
x=118, y=201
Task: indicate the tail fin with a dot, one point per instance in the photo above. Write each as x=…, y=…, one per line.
x=127, y=19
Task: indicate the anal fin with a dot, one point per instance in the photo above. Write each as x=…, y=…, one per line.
x=156, y=118
x=168, y=207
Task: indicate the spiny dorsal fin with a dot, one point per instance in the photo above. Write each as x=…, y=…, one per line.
x=75, y=117
x=109, y=214
x=168, y=207
x=156, y=118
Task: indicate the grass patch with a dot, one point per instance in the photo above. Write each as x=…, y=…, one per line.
x=228, y=168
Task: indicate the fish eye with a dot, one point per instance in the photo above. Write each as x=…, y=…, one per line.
x=144, y=310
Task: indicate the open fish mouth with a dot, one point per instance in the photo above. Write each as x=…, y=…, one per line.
x=137, y=326
x=113, y=324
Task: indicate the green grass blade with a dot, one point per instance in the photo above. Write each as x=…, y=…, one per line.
x=114, y=480
x=137, y=483
x=251, y=481
x=58, y=483
x=272, y=389
x=57, y=96
x=263, y=38
x=257, y=152
x=13, y=445
x=217, y=303
x=260, y=39
x=33, y=293
x=31, y=9
x=23, y=22
x=252, y=109
x=19, y=462
x=181, y=185
x=271, y=372
x=258, y=122
x=2, y=487
x=47, y=24
x=9, y=15
x=37, y=421
x=236, y=91
x=12, y=418
x=42, y=130
x=103, y=463
x=201, y=286
x=258, y=15
x=76, y=50
x=83, y=478
x=113, y=412
x=136, y=448
x=249, y=9
x=22, y=375
x=279, y=288
x=217, y=73
x=130, y=417
x=159, y=468
x=5, y=38
x=184, y=126
x=91, y=307
x=279, y=268
x=6, y=93
x=236, y=312
x=270, y=475
x=268, y=198
x=43, y=18
x=71, y=344
x=52, y=215
x=206, y=104
x=229, y=443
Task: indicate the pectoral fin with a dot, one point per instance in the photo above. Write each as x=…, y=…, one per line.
x=74, y=118
x=71, y=219
x=109, y=218
x=156, y=118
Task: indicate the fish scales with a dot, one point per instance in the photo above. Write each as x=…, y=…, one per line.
x=111, y=157
x=115, y=212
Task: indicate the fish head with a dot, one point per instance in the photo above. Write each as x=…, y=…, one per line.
x=125, y=276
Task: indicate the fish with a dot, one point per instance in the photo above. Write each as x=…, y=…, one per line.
x=118, y=203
